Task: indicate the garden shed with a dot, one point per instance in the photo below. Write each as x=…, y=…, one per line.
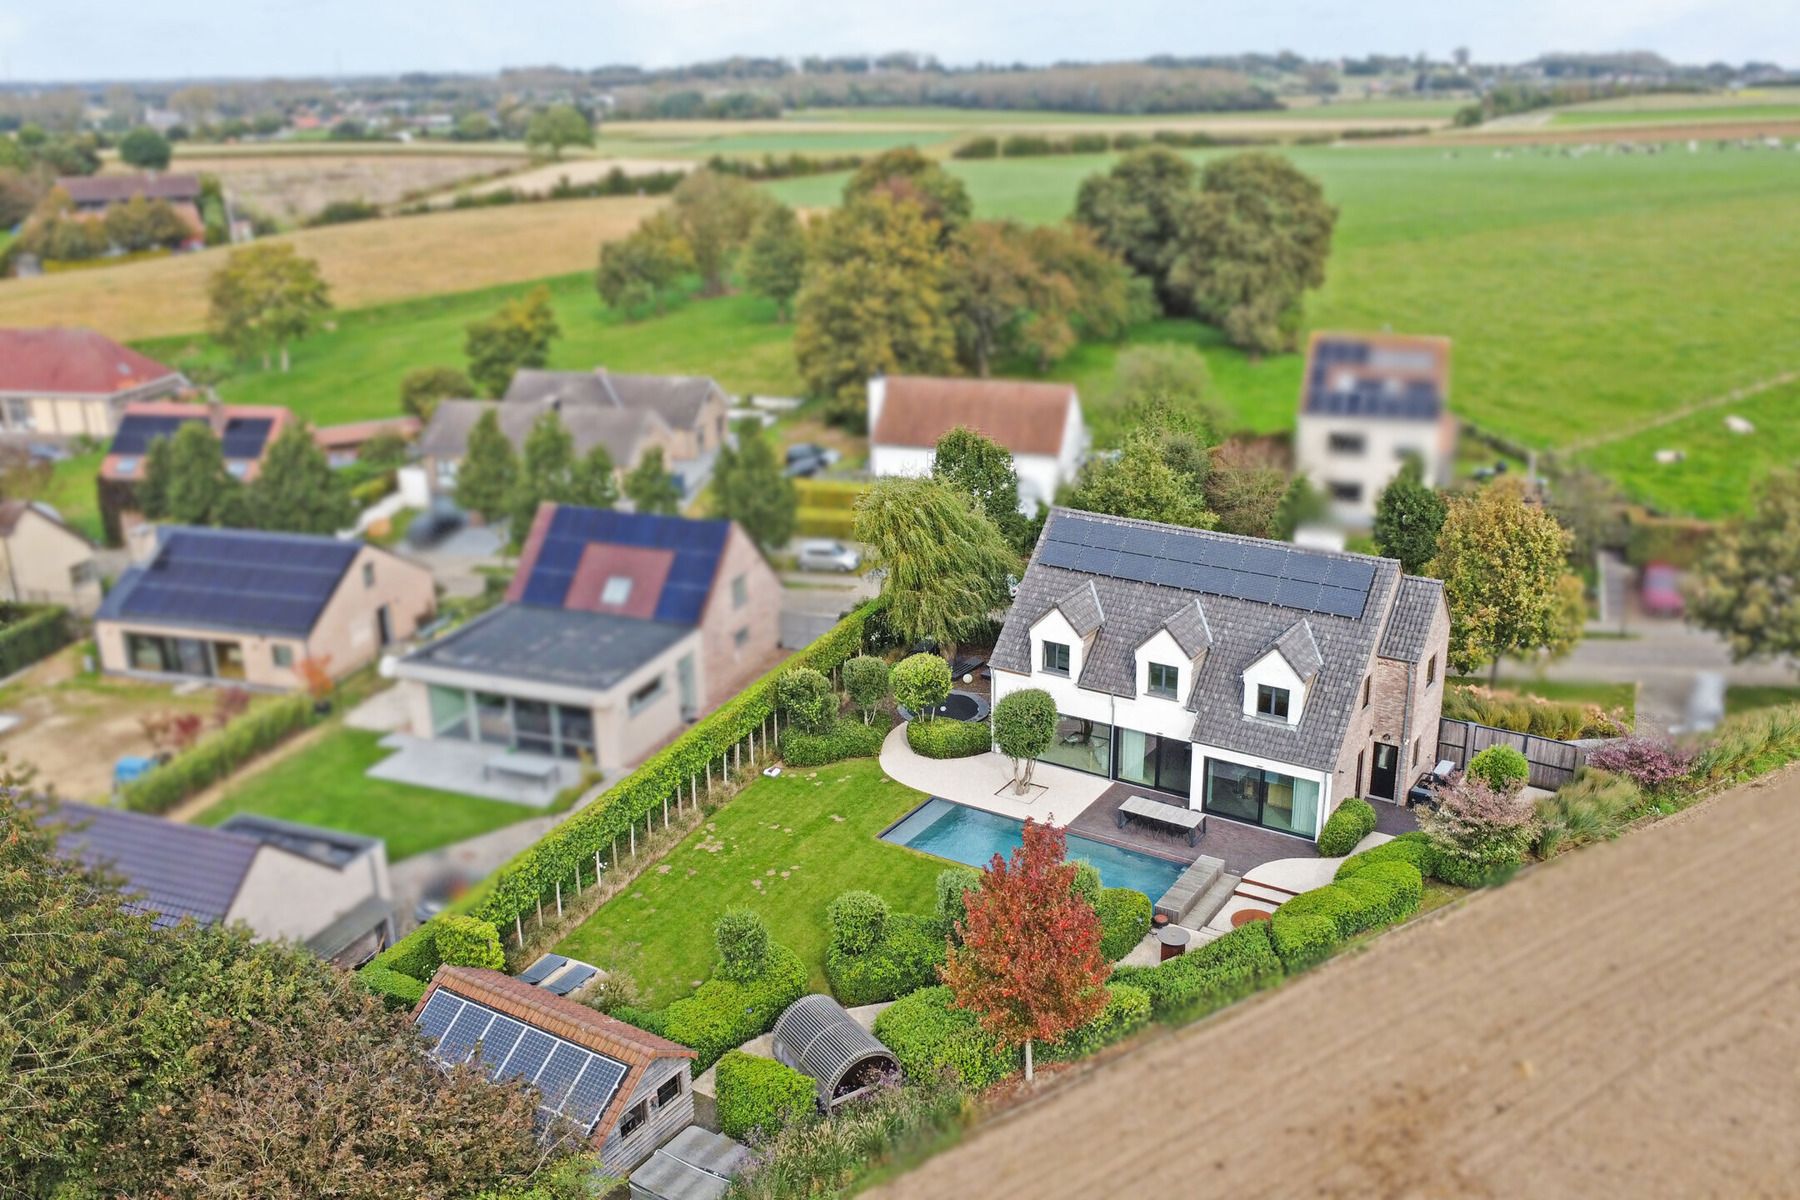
x=818, y=1038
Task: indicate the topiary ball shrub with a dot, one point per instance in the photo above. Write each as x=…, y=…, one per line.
x=857, y=921
x=1501, y=768
x=866, y=683
x=468, y=942
x=1124, y=920
x=921, y=683
x=742, y=940
x=1302, y=940
x=759, y=1096
x=953, y=884
x=1353, y=821
x=806, y=697
x=906, y=958
x=723, y=1014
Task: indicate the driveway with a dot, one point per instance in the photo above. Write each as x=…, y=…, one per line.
x=811, y=603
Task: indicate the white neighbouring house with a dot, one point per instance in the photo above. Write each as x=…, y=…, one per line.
x=1368, y=402
x=1254, y=680
x=1039, y=423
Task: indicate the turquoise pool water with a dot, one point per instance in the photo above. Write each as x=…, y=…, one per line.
x=972, y=836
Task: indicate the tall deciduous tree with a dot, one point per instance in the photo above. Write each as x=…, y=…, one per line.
x=775, y=260
x=971, y=463
x=644, y=270
x=1135, y=210
x=875, y=301
x=750, y=487
x=1408, y=517
x=423, y=387
x=908, y=176
x=1141, y=482
x=1502, y=561
x=716, y=211
x=1743, y=587
x=265, y=297
x=517, y=335
x=197, y=490
x=558, y=126
x=1029, y=962
x=945, y=563
x=1248, y=246
x=1245, y=486
x=1166, y=385
x=296, y=490
x=650, y=487
x=484, y=478
x=594, y=482
x=146, y=149
x=546, y=472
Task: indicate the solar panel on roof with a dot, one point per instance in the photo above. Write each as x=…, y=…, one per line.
x=244, y=437
x=587, y=1099
x=439, y=1011
x=528, y=1059
x=560, y=1073
x=502, y=1036
x=459, y=1040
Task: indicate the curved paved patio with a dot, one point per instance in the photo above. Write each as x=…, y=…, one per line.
x=985, y=781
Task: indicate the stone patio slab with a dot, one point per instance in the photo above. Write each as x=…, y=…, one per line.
x=983, y=781
x=451, y=766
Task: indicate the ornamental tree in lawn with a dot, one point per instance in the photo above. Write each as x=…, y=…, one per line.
x=1024, y=727
x=866, y=683
x=921, y=683
x=1028, y=962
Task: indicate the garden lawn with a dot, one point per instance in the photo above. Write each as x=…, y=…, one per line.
x=74, y=492
x=785, y=847
x=1743, y=697
x=324, y=785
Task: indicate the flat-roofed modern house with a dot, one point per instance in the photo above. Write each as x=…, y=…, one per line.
x=1039, y=423
x=1253, y=680
x=616, y=1087
x=58, y=383
x=617, y=630
x=1368, y=402
x=325, y=889
x=43, y=561
x=244, y=607
x=682, y=415
x=245, y=433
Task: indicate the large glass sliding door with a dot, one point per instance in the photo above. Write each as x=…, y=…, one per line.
x=1262, y=797
x=533, y=726
x=1081, y=744
x=1156, y=762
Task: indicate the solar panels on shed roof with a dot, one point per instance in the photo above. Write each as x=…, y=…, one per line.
x=573, y=1082
x=244, y=437
x=137, y=430
x=696, y=545
x=1195, y=561
x=236, y=579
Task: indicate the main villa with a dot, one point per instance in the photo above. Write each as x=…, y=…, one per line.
x=1254, y=680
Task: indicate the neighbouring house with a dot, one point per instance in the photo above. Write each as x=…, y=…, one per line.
x=249, y=608
x=245, y=433
x=1370, y=401
x=624, y=1091
x=325, y=889
x=1039, y=423
x=43, y=561
x=57, y=384
x=682, y=415
x=343, y=444
x=93, y=195
x=617, y=630
x=1254, y=680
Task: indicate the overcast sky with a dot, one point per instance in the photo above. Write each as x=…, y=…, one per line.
x=100, y=39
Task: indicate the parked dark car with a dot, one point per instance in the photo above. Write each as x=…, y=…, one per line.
x=1424, y=791
x=809, y=458
x=435, y=524
x=1661, y=591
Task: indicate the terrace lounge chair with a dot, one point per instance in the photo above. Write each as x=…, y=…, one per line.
x=543, y=968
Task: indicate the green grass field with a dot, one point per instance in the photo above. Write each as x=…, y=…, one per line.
x=1743, y=697
x=73, y=491
x=785, y=847
x=1698, y=114
x=324, y=785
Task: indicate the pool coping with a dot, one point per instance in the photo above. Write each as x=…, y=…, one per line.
x=1086, y=837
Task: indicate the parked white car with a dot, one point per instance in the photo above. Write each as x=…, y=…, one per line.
x=825, y=555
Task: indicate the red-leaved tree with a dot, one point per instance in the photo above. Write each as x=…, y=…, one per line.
x=1029, y=964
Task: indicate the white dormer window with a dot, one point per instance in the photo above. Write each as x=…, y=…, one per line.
x=1056, y=658
x=1272, y=702
x=617, y=590
x=1164, y=681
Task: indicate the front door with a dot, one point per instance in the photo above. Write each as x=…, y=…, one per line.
x=384, y=628
x=1381, y=777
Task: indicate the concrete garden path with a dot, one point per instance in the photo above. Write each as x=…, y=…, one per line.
x=985, y=781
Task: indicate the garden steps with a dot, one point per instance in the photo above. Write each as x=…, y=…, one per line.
x=1213, y=899
x=1193, y=886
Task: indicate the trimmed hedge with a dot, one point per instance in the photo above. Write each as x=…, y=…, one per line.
x=396, y=990
x=1411, y=848
x=1353, y=821
x=217, y=755
x=29, y=632
x=1124, y=920
x=907, y=958
x=1302, y=941
x=1308, y=928
x=1204, y=980
x=953, y=883
x=741, y=938
x=856, y=921
x=1127, y=1010
x=468, y=942
x=760, y=1096
x=930, y=1036
x=949, y=739
x=723, y=1014
x=847, y=738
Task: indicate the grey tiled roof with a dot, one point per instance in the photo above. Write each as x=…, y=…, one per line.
x=1300, y=650
x=1187, y=625
x=622, y=431
x=677, y=399
x=1242, y=632
x=1082, y=608
x=1413, y=612
x=571, y=648
x=178, y=870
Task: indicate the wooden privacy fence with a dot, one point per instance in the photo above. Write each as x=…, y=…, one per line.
x=1553, y=762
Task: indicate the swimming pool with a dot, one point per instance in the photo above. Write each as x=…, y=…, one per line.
x=972, y=836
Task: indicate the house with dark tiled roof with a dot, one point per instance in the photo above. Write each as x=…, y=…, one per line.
x=1368, y=402
x=245, y=433
x=1253, y=680
x=58, y=383
x=323, y=888
x=1040, y=424
x=617, y=629
x=247, y=608
x=91, y=197
x=616, y=1087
